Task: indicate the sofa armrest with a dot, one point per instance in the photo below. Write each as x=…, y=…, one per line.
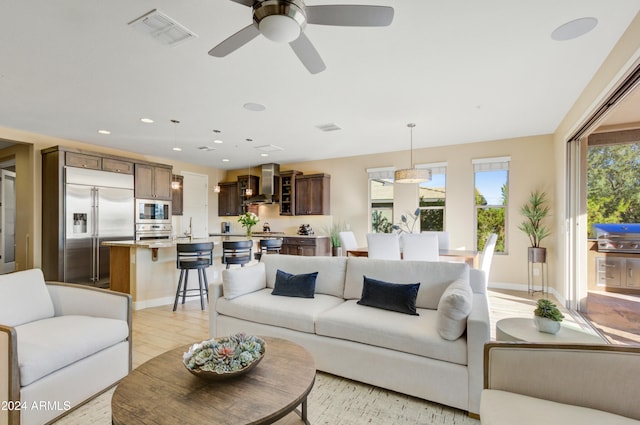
x=478, y=334
x=215, y=292
x=10, y=373
x=606, y=375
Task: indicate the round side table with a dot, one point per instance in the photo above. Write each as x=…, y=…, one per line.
x=523, y=329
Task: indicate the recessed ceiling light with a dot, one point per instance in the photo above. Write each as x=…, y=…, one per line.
x=177, y=149
x=255, y=107
x=574, y=29
x=218, y=142
x=104, y=132
x=264, y=154
x=147, y=120
x=225, y=160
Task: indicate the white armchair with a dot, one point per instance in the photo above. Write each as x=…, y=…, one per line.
x=529, y=384
x=60, y=344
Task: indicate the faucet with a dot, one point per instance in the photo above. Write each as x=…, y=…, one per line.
x=189, y=233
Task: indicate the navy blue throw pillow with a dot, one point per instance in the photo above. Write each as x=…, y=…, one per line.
x=400, y=297
x=295, y=285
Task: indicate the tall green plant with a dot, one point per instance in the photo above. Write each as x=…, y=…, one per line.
x=535, y=211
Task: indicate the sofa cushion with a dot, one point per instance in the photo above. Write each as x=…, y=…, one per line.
x=236, y=282
x=454, y=308
x=295, y=285
x=433, y=277
x=399, y=297
x=299, y=314
x=24, y=298
x=506, y=408
x=47, y=345
x=330, y=270
x=382, y=328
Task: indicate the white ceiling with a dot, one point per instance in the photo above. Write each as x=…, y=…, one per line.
x=463, y=71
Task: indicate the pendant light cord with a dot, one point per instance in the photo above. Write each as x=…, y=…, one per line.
x=411, y=125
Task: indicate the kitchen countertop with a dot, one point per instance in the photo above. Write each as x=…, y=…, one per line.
x=168, y=243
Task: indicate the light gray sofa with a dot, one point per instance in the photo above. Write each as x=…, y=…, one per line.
x=392, y=350
x=530, y=384
x=60, y=344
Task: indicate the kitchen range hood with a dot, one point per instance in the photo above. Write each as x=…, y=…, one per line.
x=269, y=176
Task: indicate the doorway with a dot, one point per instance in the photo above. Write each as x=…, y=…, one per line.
x=7, y=217
x=614, y=312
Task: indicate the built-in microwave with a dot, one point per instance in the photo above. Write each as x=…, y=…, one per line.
x=153, y=211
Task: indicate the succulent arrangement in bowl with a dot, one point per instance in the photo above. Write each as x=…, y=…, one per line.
x=547, y=316
x=224, y=357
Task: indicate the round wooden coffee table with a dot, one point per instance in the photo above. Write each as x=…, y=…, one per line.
x=162, y=391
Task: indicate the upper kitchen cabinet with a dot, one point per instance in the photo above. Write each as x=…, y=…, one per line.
x=228, y=199
x=247, y=182
x=97, y=162
x=288, y=192
x=152, y=181
x=312, y=194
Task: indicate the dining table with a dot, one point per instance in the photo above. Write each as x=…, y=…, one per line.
x=469, y=257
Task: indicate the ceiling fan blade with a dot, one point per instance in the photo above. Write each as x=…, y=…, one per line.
x=307, y=54
x=248, y=3
x=236, y=41
x=350, y=15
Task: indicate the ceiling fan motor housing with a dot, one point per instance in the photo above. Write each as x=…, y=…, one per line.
x=280, y=20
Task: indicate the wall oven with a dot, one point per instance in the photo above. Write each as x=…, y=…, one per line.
x=153, y=211
x=153, y=219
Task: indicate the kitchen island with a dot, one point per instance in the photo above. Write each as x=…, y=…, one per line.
x=147, y=269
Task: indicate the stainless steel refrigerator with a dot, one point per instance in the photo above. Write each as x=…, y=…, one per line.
x=98, y=206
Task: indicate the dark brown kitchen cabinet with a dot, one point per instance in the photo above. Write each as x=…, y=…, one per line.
x=312, y=196
x=228, y=199
x=247, y=182
x=176, y=194
x=288, y=192
x=306, y=245
x=152, y=182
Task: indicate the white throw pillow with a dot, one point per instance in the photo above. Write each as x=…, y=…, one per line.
x=453, y=309
x=236, y=282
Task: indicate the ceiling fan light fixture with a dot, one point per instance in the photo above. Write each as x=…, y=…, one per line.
x=279, y=28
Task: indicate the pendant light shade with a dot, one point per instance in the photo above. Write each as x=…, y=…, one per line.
x=413, y=174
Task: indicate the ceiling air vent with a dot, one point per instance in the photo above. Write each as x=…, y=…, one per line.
x=162, y=28
x=329, y=127
x=269, y=148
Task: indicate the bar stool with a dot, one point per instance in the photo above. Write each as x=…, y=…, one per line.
x=268, y=246
x=236, y=252
x=192, y=256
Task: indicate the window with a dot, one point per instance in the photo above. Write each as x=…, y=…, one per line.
x=432, y=198
x=381, y=195
x=491, y=200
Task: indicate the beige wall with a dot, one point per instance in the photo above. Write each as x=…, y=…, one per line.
x=531, y=169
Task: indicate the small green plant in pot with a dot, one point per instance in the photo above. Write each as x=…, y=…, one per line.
x=547, y=316
x=334, y=236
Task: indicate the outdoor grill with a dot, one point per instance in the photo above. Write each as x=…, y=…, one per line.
x=618, y=237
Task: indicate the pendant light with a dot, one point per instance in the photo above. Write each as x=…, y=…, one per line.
x=248, y=191
x=175, y=184
x=413, y=174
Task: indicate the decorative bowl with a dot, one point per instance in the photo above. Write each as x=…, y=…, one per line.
x=224, y=357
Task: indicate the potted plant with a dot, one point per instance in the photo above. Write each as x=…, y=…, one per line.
x=334, y=236
x=547, y=317
x=535, y=211
x=248, y=220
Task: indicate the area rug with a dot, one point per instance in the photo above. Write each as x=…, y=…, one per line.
x=332, y=401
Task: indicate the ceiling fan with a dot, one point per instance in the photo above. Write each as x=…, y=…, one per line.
x=284, y=21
